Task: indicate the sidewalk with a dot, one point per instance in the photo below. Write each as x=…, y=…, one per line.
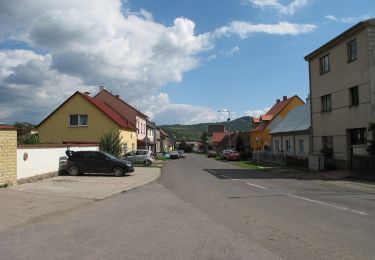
x=30, y=202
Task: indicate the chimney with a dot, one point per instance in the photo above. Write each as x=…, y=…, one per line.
x=277, y=101
x=285, y=98
x=87, y=93
x=118, y=96
x=101, y=88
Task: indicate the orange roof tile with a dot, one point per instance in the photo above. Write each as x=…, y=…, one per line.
x=273, y=112
x=217, y=136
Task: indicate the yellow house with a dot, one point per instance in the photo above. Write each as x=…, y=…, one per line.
x=260, y=138
x=83, y=119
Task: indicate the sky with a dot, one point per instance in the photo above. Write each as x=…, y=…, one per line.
x=177, y=61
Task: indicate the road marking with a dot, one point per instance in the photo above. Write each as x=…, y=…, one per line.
x=228, y=177
x=327, y=204
x=261, y=187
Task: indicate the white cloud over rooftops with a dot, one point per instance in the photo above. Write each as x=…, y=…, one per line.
x=79, y=45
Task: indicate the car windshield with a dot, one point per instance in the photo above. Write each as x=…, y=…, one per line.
x=109, y=156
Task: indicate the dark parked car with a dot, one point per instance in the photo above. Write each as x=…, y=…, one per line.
x=96, y=162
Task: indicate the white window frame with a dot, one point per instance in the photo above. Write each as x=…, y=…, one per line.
x=79, y=120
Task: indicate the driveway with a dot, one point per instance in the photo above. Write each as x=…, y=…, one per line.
x=95, y=187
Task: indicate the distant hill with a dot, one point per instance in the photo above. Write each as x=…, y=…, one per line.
x=194, y=132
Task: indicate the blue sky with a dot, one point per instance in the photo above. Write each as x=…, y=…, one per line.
x=179, y=61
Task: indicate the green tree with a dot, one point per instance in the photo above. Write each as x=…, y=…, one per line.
x=240, y=144
x=111, y=143
x=29, y=139
x=23, y=130
x=204, y=141
x=182, y=145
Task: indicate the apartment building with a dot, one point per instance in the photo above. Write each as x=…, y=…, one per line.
x=342, y=90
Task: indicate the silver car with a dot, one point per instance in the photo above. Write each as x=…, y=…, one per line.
x=139, y=157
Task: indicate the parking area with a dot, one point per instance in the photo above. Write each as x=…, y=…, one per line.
x=95, y=187
x=31, y=202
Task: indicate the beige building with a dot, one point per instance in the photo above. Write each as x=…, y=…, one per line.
x=342, y=90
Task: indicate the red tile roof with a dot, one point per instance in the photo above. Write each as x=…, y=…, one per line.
x=110, y=112
x=256, y=119
x=273, y=112
x=103, y=107
x=266, y=117
x=139, y=113
x=7, y=127
x=217, y=136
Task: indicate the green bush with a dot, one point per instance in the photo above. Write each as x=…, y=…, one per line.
x=111, y=143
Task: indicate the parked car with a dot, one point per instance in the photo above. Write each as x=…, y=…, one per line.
x=140, y=157
x=96, y=162
x=174, y=155
x=232, y=156
x=224, y=153
x=182, y=154
x=211, y=154
x=166, y=155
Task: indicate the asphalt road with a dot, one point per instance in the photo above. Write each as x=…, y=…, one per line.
x=204, y=209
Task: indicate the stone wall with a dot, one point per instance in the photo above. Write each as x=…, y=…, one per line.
x=8, y=155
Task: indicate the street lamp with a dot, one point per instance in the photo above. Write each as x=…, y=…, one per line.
x=228, y=120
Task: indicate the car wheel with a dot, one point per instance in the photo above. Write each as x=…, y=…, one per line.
x=147, y=163
x=118, y=171
x=73, y=170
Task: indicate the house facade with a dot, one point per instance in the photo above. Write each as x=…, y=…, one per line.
x=133, y=115
x=292, y=135
x=260, y=137
x=342, y=90
x=83, y=119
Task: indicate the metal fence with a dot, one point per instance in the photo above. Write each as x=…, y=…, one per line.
x=363, y=163
x=269, y=157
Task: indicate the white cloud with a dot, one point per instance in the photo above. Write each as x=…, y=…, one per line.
x=82, y=44
x=289, y=9
x=244, y=29
x=256, y=112
x=347, y=19
x=233, y=51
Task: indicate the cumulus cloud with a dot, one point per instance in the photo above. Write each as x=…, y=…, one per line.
x=256, y=112
x=288, y=9
x=245, y=29
x=78, y=45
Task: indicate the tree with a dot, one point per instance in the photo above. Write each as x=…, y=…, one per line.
x=204, y=141
x=111, y=143
x=182, y=145
x=23, y=130
x=240, y=144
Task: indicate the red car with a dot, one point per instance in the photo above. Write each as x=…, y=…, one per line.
x=232, y=156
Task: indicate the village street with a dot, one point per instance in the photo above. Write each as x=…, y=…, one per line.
x=201, y=208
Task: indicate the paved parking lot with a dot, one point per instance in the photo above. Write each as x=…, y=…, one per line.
x=30, y=202
x=94, y=187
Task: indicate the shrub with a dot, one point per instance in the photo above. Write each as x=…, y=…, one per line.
x=111, y=143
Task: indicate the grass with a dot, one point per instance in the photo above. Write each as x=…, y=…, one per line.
x=251, y=165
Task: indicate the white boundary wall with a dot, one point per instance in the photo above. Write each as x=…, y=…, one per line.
x=41, y=160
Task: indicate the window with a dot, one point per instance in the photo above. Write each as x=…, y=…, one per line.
x=326, y=103
x=125, y=147
x=287, y=146
x=301, y=144
x=327, y=142
x=354, y=96
x=358, y=136
x=277, y=145
x=324, y=64
x=78, y=120
x=352, y=50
